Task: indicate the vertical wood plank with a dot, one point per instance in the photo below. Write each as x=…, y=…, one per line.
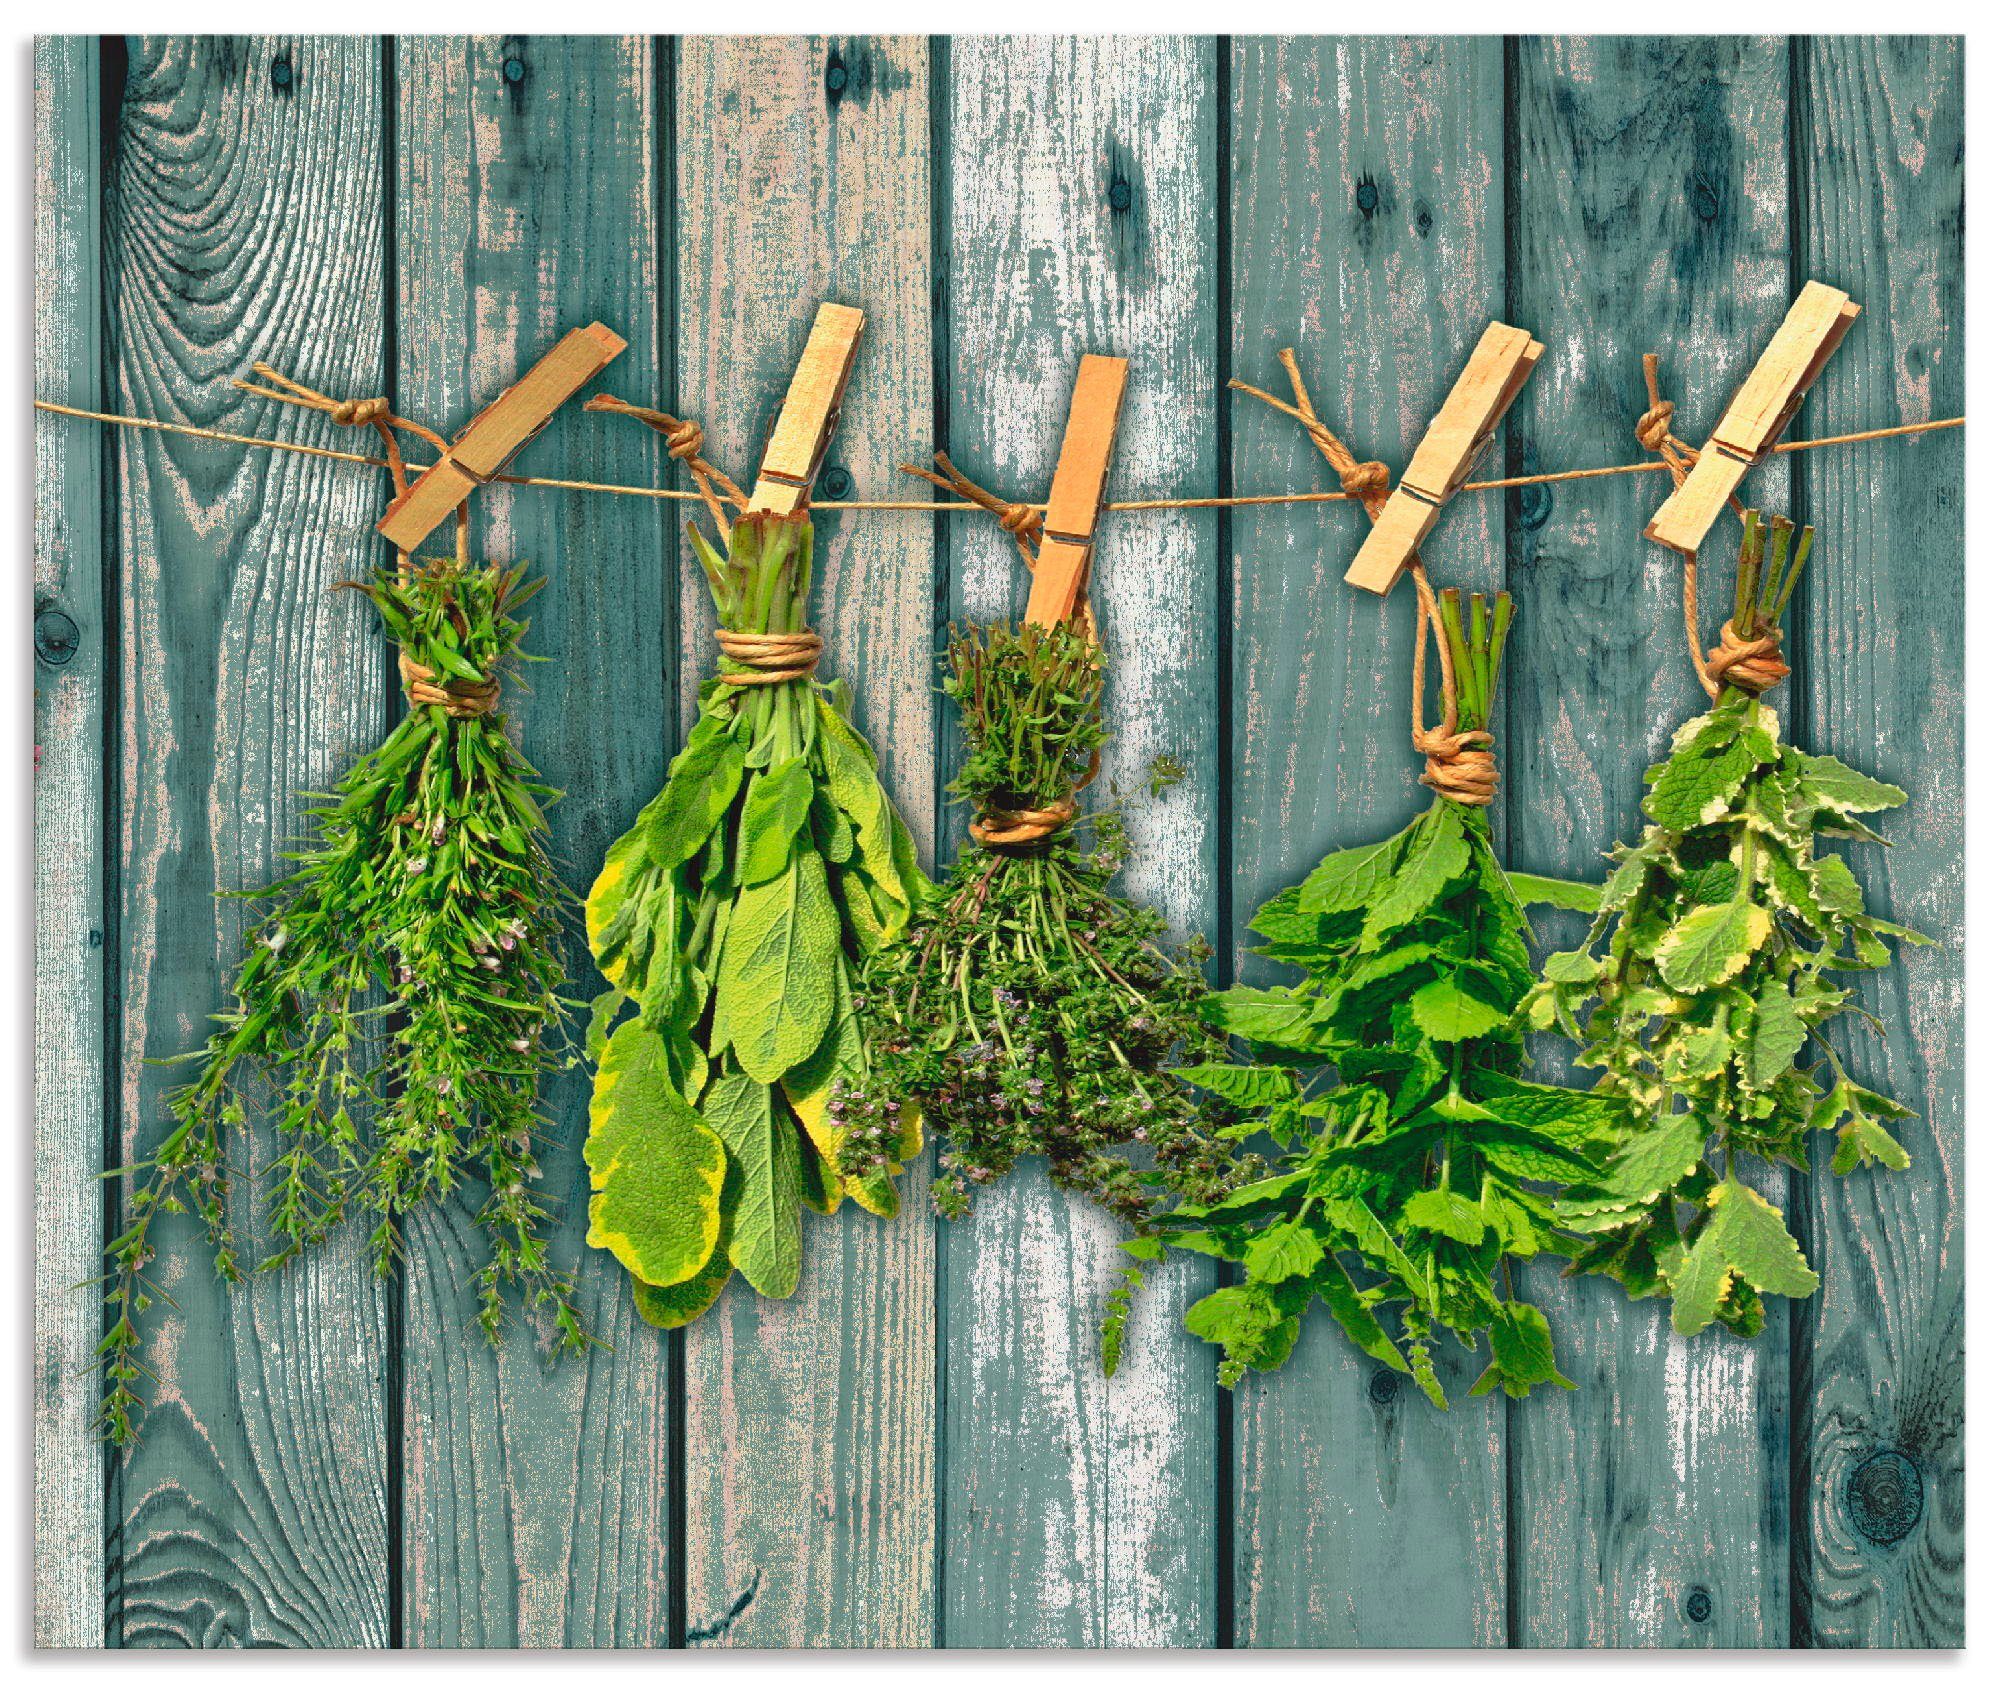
x=539, y=1493
x=70, y=663
x=243, y=221
x=1082, y=217
x=1652, y=214
x=803, y=173
x=1879, y=1479
x=1367, y=194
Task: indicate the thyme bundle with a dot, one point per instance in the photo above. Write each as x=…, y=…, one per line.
x=731, y=921
x=1030, y=1009
x=399, y=1002
x=1413, y=1164
x=1711, y=965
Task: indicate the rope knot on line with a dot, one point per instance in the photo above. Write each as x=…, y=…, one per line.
x=1747, y=663
x=462, y=698
x=1031, y=827
x=1656, y=426
x=1459, y=765
x=684, y=440
x=772, y=657
x=1366, y=480
x=359, y=411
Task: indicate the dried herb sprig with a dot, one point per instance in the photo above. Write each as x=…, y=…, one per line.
x=1031, y=1010
x=730, y=921
x=1409, y=1149
x=399, y=1003
x=1711, y=965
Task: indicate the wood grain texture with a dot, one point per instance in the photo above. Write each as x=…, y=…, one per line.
x=1082, y=218
x=1366, y=231
x=1653, y=216
x=1879, y=1483
x=70, y=658
x=243, y=222
x=539, y=1493
x=803, y=174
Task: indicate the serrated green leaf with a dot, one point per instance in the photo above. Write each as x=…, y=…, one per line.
x=1864, y=1140
x=1283, y=1251
x=1447, y=1012
x=1346, y=881
x=701, y=786
x=1711, y=944
x=1697, y=784
x=1777, y=1036
x=1437, y=1211
x=1829, y=784
x=1268, y=1016
x=1554, y=891
x=1351, y=1313
x=1744, y=1238
x=1524, y=1353
x=1437, y=857
x=1247, y=1086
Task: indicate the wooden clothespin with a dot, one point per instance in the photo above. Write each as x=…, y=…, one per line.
x=805, y=424
x=1757, y=415
x=1459, y=434
x=491, y=438
x=1069, y=528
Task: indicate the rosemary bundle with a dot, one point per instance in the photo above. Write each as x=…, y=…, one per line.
x=399, y=1002
x=730, y=922
x=1030, y=1009
x=1413, y=1164
x=1712, y=964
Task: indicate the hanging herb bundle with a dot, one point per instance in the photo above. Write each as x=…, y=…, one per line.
x=1413, y=1164
x=399, y=1003
x=1032, y=1010
x=1714, y=960
x=731, y=921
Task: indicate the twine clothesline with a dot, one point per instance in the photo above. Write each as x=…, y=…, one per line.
x=910, y=505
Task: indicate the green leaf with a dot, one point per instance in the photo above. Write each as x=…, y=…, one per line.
x=774, y=811
x=1268, y=1016
x=1438, y=856
x=1696, y=786
x=1777, y=1037
x=1744, y=1238
x=1553, y=891
x=1246, y=1086
x=1835, y=889
x=1524, y=1353
x=1446, y=1012
x=766, y=1182
x=1650, y=1164
x=1437, y=1211
x=1283, y=1251
x=1344, y=882
x=1247, y=1322
x=1828, y=784
x=1572, y=968
x=667, y=1307
x=775, y=992
x=1711, y=944
x=1864, y=1140
x=1352, y=1315
x=701, y=786
x=656, y=1172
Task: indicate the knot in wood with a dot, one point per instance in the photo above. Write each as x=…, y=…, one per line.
x=360, y=411
x=1749, y=663
x=1366, y=480
x=1459, y=765
x=1656, y=426
x=1029, y=828
x=769, y=657
x=462, y=698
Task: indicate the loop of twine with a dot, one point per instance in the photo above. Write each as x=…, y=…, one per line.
x=1747, y=663
x=685, y=440
x=462, y=698
x=1023, y=522
x=999, y=827
x=775, y=657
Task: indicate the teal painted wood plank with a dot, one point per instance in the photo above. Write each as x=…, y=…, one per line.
x=1652, y=216
x=70, y=663
x=540, y=1494
x=803, y=174
x=1082, y=217
x=1879, y=1485
x=1366, y=231
x=243, y=222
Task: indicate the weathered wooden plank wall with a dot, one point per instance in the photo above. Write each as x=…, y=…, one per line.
x=916, y=1450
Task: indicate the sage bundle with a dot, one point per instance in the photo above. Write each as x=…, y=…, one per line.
x=400, y=999
x=731, y=921
x=1413, y=1165
x=1713, y=962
